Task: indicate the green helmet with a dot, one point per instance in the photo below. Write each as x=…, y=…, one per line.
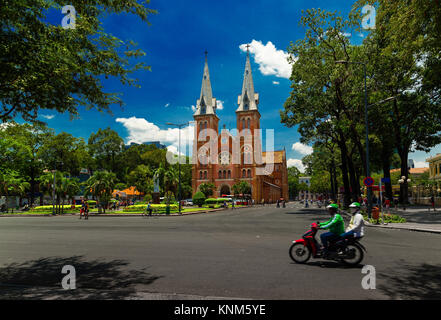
x=333, y=206
x=355, y=205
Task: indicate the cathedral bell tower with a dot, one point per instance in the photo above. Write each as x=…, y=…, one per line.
x=205, y=118
x=248, y=120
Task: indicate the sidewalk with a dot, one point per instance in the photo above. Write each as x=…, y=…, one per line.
x=418, y=219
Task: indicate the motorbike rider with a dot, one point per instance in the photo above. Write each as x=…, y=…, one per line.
x=335, y=225
x=356, y=225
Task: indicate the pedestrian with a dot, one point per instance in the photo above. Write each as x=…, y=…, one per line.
x=432, y=202
x=225, y=204
x=396, y=203
x=387, y=204
x=149, y=208
x=232, y=205
x=83, y=208
x=86, y=210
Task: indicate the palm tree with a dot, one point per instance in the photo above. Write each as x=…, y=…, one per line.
x=67, y=188
x=171, y=179
x=101, y=186
x=12, y=184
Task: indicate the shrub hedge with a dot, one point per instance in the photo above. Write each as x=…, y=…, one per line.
x=66, y=207
x=159, y=208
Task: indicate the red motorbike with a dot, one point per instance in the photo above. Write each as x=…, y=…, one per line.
x=348, y=250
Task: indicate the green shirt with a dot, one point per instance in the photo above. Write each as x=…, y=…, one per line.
x=335, y=225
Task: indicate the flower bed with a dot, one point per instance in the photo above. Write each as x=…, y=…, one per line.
x=388, y=218
x=66, y=207
x=158, y=208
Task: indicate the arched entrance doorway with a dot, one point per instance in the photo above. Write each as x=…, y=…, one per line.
x=225, y=190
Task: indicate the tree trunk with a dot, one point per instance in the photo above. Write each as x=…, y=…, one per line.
x=386, y=174
x=344, y=171
x=353, y=178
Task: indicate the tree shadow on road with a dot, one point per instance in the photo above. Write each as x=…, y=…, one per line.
x=41, y=279
x=412, y=282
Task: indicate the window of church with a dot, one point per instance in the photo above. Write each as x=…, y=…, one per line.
x=225, y=174
x=248, y=124
x=220, y=174
x=205, y=175
x=200, y=175
x=229, y=174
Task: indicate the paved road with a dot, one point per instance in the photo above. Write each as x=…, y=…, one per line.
x=232, y=254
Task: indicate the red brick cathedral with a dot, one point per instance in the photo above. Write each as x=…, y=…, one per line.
x=224, y=158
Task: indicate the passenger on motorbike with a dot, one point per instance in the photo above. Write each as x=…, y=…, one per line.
x=356, y=225
x=335, y=225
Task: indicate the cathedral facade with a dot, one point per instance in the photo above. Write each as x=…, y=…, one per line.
x=225, y=158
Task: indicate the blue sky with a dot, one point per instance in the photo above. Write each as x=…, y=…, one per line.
x=175, y=44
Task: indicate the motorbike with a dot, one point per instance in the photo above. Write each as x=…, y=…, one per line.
x=349, y=250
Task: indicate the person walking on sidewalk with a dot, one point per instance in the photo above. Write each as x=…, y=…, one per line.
x=387, y=205
x=432, y=203
x=148, y=209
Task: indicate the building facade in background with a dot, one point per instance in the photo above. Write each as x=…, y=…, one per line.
x=221, y=167
x=435, y=168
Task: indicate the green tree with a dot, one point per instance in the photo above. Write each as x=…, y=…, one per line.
x=101, y=186
x=64, y=152
x=404, y=69
x=48, y=67
x=293, y=182
x=141, y=179
x=207, y=189
x=242, y=187
x=106, y=146
x=326, y=101
x=23, y=142
x=199, y=199
x=12, y=184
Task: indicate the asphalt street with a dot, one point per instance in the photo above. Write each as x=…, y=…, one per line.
x=227, y=254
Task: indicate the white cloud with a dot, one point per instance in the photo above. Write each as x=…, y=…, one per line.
x=4, y=125
x=361, y=35
x=167, y=104
x=193, y=108
x=220, y=105
x=296, y=163
x=270, y=60
x=48, y=116
x=276, y=83
x=140, y=130
x=302, y=148
x=347, y=34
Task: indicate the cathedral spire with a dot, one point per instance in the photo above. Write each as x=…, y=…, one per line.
x=206, y=103
x=248, y=100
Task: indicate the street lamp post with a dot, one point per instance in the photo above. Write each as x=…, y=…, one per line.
x=53, y=193
x=404, y=180
x=179, y=125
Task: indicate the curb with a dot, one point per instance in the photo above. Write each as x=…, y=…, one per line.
x=407, y=229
